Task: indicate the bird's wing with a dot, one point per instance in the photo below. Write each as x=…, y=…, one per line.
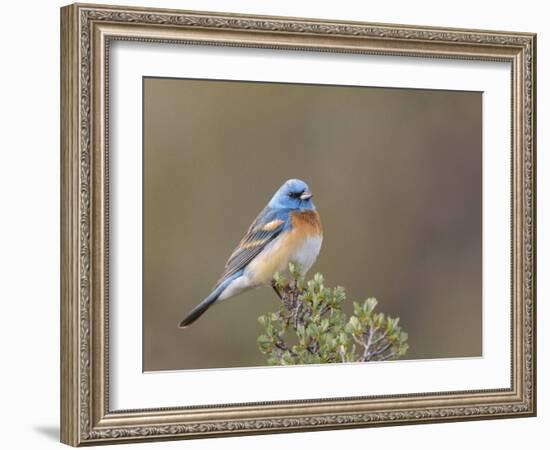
x=267, y=226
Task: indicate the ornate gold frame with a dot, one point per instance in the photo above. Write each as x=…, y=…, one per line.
x=86, y=31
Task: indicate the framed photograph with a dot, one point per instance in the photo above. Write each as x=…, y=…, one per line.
x=274, y=224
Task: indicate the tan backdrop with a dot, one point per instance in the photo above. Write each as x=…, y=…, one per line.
x=396, y=175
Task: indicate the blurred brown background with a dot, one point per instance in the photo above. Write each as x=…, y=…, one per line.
x=396, y=175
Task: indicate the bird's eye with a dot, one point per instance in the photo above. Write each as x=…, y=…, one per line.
x=294, y=194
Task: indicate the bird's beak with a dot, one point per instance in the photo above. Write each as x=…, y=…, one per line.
x=306, y=196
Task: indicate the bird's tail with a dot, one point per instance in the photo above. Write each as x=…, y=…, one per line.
x=201, y=308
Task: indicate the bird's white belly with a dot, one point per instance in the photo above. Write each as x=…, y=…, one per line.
x=306, y=255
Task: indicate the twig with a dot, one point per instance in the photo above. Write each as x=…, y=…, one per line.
x=282, y=346
x=313, y=347
x=367, y=345
x=380, y=338
x=388, y=356
x=342, y=353
x=382, y=350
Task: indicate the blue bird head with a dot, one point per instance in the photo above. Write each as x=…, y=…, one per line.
x=293, y=194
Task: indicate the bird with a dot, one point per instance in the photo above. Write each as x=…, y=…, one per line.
x=288, y=230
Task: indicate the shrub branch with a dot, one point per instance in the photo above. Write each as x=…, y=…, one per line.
x=311, y=328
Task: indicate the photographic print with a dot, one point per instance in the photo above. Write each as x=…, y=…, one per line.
x=277, y=224
x=288, y=223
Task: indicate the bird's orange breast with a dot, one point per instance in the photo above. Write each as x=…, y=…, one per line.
x=306, y=223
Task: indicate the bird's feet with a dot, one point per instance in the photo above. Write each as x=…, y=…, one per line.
x=274, y=286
